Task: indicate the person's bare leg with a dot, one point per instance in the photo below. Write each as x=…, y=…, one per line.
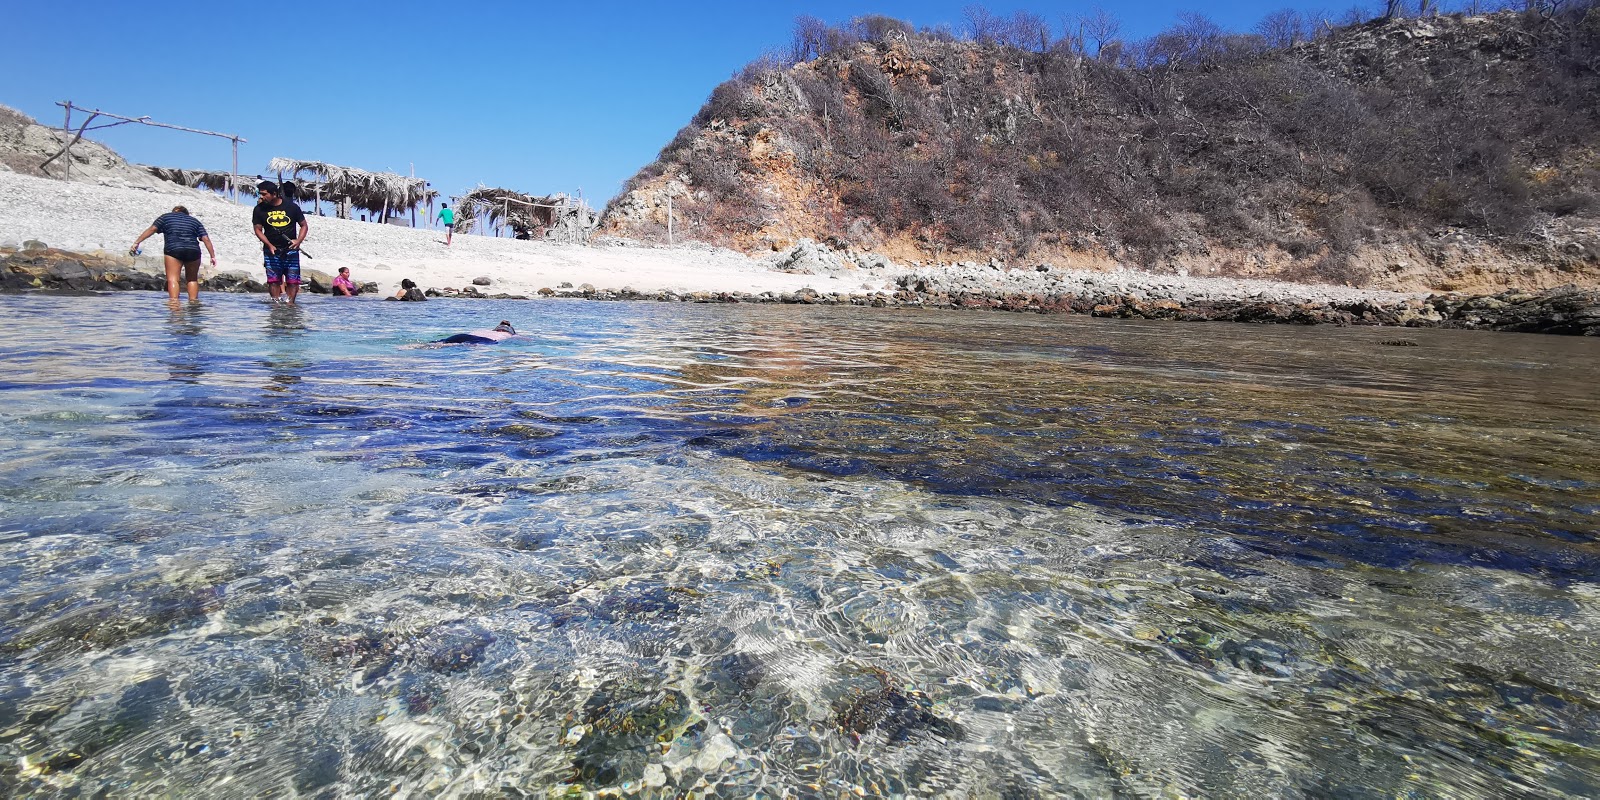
x=191, y=278
x=293, y=289
x=275, y=288
x=174, y=267
x=449, y=233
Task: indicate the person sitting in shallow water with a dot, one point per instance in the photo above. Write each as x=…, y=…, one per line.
x=495, y=335
x=343, y=286
x=408, y=291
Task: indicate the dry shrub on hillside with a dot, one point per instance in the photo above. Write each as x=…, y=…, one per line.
x=1014, y=139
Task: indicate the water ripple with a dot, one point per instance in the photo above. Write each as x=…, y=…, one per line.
x=660, y=549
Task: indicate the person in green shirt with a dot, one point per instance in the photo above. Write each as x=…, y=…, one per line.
x=447, y=215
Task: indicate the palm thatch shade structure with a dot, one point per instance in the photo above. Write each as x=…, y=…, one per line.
x=522, y=212
x=380, y=192
x=199, y=179
x=556, y=215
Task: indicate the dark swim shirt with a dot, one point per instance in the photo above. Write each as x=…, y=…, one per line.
x=180, y=233
x=278, y=223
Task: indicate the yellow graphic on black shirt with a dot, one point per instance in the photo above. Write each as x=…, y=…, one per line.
x=278, y=219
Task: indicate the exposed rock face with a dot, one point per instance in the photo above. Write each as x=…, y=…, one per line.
x=24, y=144
x=1567, y=310
x=1380, y=155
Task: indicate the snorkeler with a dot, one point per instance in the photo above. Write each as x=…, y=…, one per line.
x=496, y=335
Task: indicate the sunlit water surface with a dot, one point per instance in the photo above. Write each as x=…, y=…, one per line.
x=663, y=548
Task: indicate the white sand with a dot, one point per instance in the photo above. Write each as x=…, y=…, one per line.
x=85, y=217
x=107, y=215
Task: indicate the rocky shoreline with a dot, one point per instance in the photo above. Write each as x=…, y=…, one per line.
x=1566, y=310
x=45, y=269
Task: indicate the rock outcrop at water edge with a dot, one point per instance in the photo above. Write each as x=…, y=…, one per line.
x=61, y=271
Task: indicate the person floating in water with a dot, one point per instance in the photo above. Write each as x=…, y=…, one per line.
x=495, y=335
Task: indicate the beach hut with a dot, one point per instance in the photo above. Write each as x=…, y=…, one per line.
x=381, y=193
x=555, y=216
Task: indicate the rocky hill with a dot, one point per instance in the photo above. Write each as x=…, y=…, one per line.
x=25, y=144
x=1444, y=153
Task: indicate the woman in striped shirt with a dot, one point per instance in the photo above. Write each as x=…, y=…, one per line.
x=181, y=236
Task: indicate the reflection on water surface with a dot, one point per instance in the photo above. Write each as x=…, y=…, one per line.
x=659, y=548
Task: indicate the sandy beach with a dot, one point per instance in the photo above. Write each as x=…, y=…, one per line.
x=87, y=217
x=107, y=215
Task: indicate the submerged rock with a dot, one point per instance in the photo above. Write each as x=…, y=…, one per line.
x=900, y=715
x=619, y=721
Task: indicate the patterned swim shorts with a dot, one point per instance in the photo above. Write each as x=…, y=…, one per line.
x=283, y=267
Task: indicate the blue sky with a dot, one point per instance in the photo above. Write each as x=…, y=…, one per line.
x=539, y=97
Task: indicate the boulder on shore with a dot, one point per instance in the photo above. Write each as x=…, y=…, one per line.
x=233, y=281
x=62, y=271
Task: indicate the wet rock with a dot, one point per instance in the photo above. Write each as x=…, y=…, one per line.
x=237, y=281
x=481, y=280
x=1568, y=310
x=59, y=270
x=29, y=245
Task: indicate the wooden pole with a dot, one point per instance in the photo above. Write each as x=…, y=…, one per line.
x=234, y=176
x=95, y=112
x=66, y=137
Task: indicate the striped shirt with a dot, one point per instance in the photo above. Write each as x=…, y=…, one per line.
x=180, y=232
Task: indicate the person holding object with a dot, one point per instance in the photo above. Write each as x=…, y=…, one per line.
x=448, y=217
x=343, y=286
x=281, y=226
x=181, y=236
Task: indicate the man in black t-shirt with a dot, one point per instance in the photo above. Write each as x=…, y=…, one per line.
x=281, y=226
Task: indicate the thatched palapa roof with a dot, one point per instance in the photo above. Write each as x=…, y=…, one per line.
x=522, y=212
x=373, y=191
x=557, y=215
x=200, y=179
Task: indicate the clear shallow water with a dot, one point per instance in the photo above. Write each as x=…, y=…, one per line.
x=807, y=552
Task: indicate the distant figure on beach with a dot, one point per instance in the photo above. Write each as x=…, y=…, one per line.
x=343, y=286
x=181, y=237
x=447, y=215
x=281, y=226
x=495, y=335
x=408, y=291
